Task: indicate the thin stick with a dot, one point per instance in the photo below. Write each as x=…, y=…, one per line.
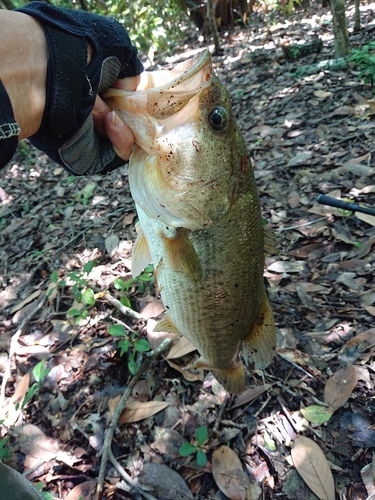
x=125, y=310
x=12, y=349
x=119, y=409
x=128, y=478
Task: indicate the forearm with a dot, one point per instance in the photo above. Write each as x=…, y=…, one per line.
x=23, y=68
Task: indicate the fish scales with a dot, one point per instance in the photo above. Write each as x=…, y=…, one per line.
x=200, y=219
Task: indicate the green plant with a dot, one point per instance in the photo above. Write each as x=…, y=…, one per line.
x=129, y=343
x=84, y=295
x=187, y=448
x=139, y=281
x=364, y=60
x=40, y=371
x=4, y=452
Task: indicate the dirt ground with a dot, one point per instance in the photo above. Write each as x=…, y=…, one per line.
x=309, y=131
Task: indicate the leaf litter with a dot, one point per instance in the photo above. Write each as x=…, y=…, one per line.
x=308, y=133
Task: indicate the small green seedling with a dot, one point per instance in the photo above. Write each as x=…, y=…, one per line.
x=187, y=448
x=364, y=60
x=4, y=452
x=40, y=372
x=130, y=344
x=139, y=281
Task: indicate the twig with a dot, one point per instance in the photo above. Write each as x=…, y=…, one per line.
x=119, y=409
x=128, y=478
x=297, y=366
x=12, y=348
x=220, y=414
x=300, y=225
x=125, y=310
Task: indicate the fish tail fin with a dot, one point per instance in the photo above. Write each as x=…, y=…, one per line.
x=233, y=380
x=260, y=345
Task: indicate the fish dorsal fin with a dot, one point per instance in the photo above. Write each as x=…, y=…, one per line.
x=141, y=256
x=166, y=325
x=260, y=345
x=181, y=255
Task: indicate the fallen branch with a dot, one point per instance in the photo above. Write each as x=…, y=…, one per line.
x=125, y=310
x=106, y=450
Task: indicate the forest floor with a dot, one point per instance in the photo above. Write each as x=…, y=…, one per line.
x=308, y=132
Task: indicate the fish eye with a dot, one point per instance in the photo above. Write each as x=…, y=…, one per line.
x=218, y=118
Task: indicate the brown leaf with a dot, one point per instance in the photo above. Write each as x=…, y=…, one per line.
x=250, y=394
x=228, y=473
x=28, y=299
x=188, y=374
x=368, y=477
x=340, y=386
x=165, y=482
x=137, y=410
x=83, y=490
x=22, y=388
x=293, y=199
x=312, y=465
x=183, y=347
x=370, y=219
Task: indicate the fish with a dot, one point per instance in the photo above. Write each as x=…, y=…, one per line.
x=200, y=221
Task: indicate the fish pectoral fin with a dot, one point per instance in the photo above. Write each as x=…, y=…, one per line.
x=166, y=325
x=181, y=254
x=260, y=345
x=141, y=256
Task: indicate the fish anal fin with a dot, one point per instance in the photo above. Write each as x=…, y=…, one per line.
x=166, y=325
x=232, y=379
x=181, y=255
x=260, y=345
x=141, y=256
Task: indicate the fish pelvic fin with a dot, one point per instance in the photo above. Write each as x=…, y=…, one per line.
x=141, y=256
x=181, y=254
x=260, y=345
x=166, y=325
x=232, y=379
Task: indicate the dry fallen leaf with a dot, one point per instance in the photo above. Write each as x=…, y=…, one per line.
x=340, y=386
x=183, y=346
x=368, y=476
x=228, y=474
x=312, y=465
x=137, y=410
x=165, y=482
x=191, y=376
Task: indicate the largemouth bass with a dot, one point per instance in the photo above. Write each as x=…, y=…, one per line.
x=199, y=215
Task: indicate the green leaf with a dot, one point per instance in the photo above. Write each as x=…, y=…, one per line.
x=119, y=284
x=269, y=442
x=317, y=414
x=75, y=276
x=54, y=276
x=201, y=434
x=125, y=301
x=61, y=283
x=141, y=345
x=87, y=268
x=187, y=449
x=132, y=365
x=117, y=331
x=40, y=371
x=124, y=346
x=47, y=496
x=201, y=458
x=88, y=297
x=74, y=312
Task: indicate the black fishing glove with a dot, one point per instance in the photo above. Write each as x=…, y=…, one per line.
x=67, y=132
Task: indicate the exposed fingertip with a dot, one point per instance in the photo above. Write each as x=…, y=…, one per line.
x=116, y=120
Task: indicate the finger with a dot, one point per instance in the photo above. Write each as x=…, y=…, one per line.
x=129, y=83
x=119, y=134
x=99, y=113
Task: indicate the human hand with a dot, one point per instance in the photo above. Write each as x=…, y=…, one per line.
x=108, y=124
x=78, y=130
